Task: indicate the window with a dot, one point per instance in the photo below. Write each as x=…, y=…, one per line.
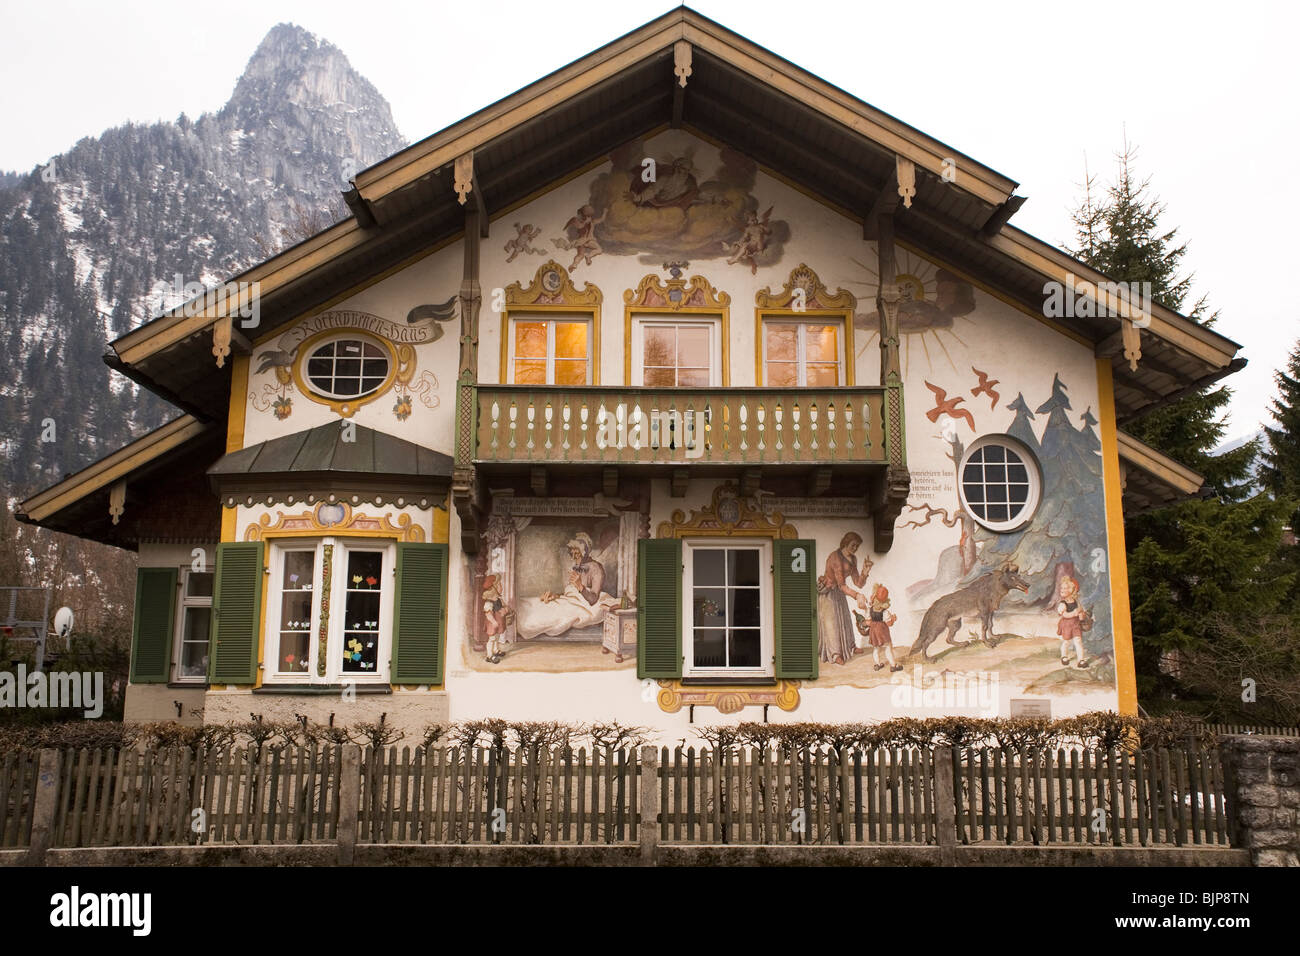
x=1000, y=483
x=550, y=351
x=803, y=353
x=341, y=586
x=194, y=624
x=675, y=354
x=727, y=608
x=347, y=368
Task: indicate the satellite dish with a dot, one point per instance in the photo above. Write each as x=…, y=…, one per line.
x=63, y=622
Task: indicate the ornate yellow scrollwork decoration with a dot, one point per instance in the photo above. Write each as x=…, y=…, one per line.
x=673, y=696
x=729, y=515
x=804, y=290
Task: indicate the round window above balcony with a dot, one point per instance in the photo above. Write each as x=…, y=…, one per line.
x=347, y=368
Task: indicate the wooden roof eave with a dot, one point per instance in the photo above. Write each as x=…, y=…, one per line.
x=1178, y=478
x=1183, y=333
x=121, y=464
x=764, y=67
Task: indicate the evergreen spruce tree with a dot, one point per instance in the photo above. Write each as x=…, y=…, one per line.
x=1203, y=559
x=1281, y=465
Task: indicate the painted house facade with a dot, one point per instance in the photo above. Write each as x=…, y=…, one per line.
x=679, y=386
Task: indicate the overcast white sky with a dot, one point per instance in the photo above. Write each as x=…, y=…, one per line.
x=1208, y=92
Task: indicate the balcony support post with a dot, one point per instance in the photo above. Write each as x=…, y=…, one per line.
x=750, y=479
x=609, y=481
x=465, y=492
x=889, y=489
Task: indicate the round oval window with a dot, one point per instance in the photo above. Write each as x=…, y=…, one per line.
x=347, y=368
x=1000, y=483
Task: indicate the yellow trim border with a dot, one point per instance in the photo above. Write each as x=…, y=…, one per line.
x=1122, y=623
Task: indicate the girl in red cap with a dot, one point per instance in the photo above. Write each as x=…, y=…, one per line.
x=877, y=628
x=1070, y=627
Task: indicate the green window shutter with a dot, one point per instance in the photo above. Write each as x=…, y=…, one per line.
x=155, y=617
x=796, y=609
x=236, y=613
x=419, y=615
x=659, y=608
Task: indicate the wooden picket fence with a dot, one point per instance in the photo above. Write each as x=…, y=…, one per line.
x=131, y=797
x=485, y=795
x=752, y=795
x=1170, y=797
x=17, y=783
x=739, y=795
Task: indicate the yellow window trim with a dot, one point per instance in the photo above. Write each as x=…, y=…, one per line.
x=829, y=316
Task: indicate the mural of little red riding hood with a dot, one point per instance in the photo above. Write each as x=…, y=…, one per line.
x=1074, y=621
x=583, y=602
x=876, y=630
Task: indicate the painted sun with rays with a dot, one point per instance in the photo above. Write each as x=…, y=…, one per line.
x=933, y=300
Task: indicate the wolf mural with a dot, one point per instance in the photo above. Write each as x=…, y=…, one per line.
x=1038, y=595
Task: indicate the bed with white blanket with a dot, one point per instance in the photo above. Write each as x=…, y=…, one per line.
x=569, y=612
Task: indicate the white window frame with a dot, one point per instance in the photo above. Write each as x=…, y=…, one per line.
x=767, y=608
x=550, y=318
x=641, y=321
x=183, y=602
x=801, y=345
x=1032, y=467
x=346, y=336
x=334, y=673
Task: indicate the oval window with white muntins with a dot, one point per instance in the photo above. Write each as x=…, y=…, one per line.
x=1000, y=483
x=347, y=368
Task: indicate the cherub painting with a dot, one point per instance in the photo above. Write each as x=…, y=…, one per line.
x=581, y=236
x=522, y=242
x=752, y=242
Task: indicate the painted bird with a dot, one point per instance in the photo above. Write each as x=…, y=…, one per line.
x=985, y=387
x=948, y=406
x=276, y=358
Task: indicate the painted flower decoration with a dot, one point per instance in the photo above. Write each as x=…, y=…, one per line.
x=402, y=407
x=283, y=407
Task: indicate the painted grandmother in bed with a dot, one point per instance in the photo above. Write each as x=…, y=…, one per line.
x=582, y=603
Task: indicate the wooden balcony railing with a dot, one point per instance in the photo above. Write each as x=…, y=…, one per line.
x=524, y=423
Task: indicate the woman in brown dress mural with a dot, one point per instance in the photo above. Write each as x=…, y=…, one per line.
x=834, y=618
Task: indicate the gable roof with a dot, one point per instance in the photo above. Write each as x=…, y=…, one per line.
x=791, y=122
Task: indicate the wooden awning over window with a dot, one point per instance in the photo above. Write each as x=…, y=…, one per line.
x=339, y=461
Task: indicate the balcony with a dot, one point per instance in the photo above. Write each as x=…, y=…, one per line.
x=552, y=425
x=855, y=433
